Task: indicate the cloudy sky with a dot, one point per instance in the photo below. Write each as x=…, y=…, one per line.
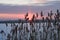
x=8, y=11
x=24, y=2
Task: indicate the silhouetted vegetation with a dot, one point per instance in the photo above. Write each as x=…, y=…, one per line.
x=47, y=29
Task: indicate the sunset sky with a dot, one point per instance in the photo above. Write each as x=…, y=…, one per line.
x=9, y=9
x=17, y=9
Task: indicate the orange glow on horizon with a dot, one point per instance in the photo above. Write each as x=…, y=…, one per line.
x=18, y=16
x=14, y=16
